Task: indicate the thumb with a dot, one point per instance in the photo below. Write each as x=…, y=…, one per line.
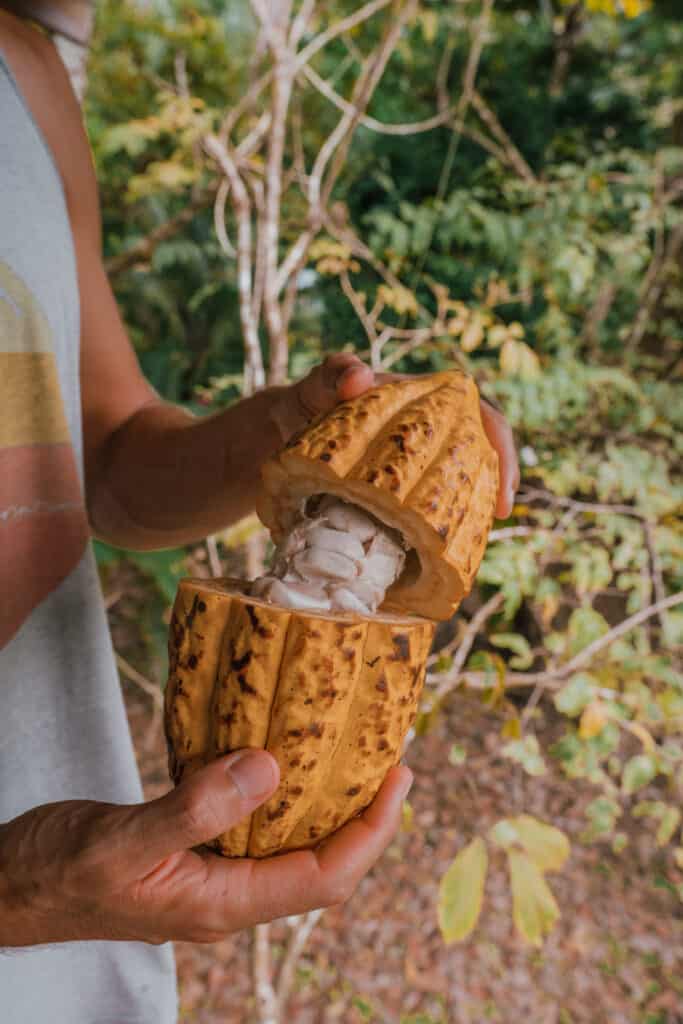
x=207, y=803
x=341, y=376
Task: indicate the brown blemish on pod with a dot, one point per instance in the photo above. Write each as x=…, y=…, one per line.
x=401, y=644
x=237, y=664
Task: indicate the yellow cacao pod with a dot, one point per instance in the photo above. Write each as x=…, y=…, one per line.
x=332, y=695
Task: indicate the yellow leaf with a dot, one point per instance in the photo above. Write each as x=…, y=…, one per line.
x=497, y=292
x=534, y=909
x=428, y=22
x=547, y=846
x=400, y=299
x=512, y=729
x=670, y=821
x=492, y=697
x=331, y=257
x=473, y=335
x=456, y=325
x=593, y=720
x=643, y=735
x=518, y=360
x=406, y=817
x=632, y=8
x=238, y=534
x=497, y=335
x=461, y=892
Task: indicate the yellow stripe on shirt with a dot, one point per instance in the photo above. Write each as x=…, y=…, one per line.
x=31, y=406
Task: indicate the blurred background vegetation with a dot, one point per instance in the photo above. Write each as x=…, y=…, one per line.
x=537, y=241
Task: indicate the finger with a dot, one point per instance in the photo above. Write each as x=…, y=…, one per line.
x=242, y=893
x=500, y=435
x=207, y=803
x=340, y=377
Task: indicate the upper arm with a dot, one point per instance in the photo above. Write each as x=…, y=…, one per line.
x=113, y=387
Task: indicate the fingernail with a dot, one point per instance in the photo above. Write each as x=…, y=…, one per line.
x=252, y=772
x=348, y=372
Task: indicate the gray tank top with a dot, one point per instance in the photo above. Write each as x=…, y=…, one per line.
x=63, y=728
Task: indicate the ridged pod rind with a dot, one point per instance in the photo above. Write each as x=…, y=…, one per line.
x=415, y=454
x=330, y=696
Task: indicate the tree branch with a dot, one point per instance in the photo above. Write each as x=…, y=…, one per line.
x=654, y=284
x=301, y=930
x=266, y=999
x=532, y=494
x=558, y=674
x=282, y=89
x=241, y=107
x=411, y=128
x=127, y=670
x=254, y=370
x=344, y=233
x=300, y=23
x=463, y=647
x=219, y=218
x=656, y=574
x=514, y=157
x=143, y=250
x=362, y=94
x=338, y=29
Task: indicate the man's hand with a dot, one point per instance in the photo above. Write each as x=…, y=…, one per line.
x=344, y=376
x=86, y=870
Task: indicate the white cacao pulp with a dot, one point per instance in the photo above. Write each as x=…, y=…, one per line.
x=339, y=559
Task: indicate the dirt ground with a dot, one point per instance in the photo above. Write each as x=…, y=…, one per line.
x=616, y=956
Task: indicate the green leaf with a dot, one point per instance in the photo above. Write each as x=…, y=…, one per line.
x=602, y=814
x=620, y=842
x=457, y=755
x=547, y=846
x=364, y=1007
x=638, y=771
x=649, y=809
x=527, y=753
x=585, y=626
x=668, y=825
x=518, y=644
x=461, y=892
x=534, y=909
x=165, y=568
x=576, y=694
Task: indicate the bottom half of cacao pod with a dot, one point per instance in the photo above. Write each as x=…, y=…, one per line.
x=330, y=695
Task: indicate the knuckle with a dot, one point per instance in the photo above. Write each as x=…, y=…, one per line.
x=194, y=812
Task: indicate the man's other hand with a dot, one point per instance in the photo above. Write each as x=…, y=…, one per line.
x=86, y=870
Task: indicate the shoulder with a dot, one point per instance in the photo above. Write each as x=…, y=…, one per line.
x=45, y=85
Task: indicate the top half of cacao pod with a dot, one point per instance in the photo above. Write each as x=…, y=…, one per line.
x=414, y=454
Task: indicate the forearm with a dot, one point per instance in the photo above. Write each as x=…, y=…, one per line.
x=166, y=478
